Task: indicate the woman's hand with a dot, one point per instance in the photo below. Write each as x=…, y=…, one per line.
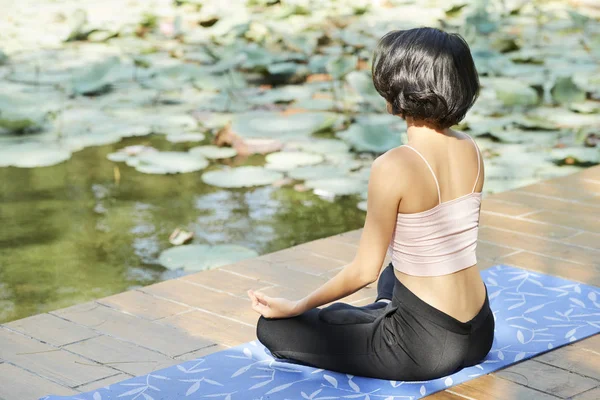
x=273, y=307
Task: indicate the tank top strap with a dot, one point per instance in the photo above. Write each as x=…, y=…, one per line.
x=430, y=169
x=478, y=161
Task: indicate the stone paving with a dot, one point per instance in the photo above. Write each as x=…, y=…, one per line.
x=551, y=227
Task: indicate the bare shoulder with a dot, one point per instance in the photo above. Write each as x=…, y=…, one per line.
x=392, y=166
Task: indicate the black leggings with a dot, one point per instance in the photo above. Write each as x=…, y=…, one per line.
x=405, y=340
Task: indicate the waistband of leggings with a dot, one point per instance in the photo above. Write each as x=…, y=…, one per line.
x=403, y=295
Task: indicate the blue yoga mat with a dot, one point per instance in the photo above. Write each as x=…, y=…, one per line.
x=534, y=313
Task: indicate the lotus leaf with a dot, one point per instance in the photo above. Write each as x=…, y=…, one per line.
x=340, y=67
x=375, y=138
x=336, y=186
x=581, y=154
x=286, y=160
x=565, y=91
x=321, y=146
x=362, y=83
x=512, y=92
x=284, y=94
x=241, y=177
x=229, y=81
x=586, y=107
x=96, y=78
x=185, y=137
x=200, y=257
x=214, y=152
x=312, y=172
x=277, y=126
x=318, y=105
x=362, y=205
x=170, y=162
x=565, y=118
x=33, y=154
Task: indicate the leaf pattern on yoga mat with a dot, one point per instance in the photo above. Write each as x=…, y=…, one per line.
x=534, y=313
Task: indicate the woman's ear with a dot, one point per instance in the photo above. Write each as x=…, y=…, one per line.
x=389, y=107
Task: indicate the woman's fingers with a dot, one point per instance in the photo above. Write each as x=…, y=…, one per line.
x=264, y=299
x=258, y=305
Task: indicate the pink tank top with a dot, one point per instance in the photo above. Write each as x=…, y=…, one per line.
x=441, y=240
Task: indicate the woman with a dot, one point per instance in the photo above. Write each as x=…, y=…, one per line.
x=432, y=315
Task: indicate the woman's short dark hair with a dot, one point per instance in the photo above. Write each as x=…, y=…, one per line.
x=426, y=74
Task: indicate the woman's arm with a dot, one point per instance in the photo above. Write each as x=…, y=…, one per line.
x=384, y=194
x=385, y=191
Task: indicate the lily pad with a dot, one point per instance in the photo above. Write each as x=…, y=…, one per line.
x=336, y=186
x=374, y=138
x=362, y=83
x=321, y=146
x=185, y=137
x=286, y=160
x=170, y=162
x=284, y=94
x=512, y=92
x=96, y=78
x=241, y=177
x=278, y=126
x=586, y=107
x=33, y=154
x=564, y=118
x=200, y=257
x=229, y=81
x=341, y=66
x=580, y=154
x=362, y=205
x=214, y=152
x=19, y=112
x=312, y=172
x=565, y=91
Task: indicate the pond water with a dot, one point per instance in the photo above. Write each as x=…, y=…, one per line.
x=71, y=234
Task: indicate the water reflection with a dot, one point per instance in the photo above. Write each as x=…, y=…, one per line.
x=70, y=233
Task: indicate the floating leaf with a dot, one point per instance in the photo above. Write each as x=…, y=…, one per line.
x=241, y=177
x=362, y=83
x=581, y=154
x=336, y=186
x=33, y=154
x=199, y=257
x=321, y=146
x=278, y=126
x=512, y=92
x=214, y=152
x=283, y=94
x=373, y=138
x=185, y=137
x=317, y=172
x=565, y=91
x=341, y=66
x=287, y=160
x=169, y=162
x=586, y=107
x=95, y=78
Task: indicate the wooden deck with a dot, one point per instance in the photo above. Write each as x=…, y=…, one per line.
x=551, y=227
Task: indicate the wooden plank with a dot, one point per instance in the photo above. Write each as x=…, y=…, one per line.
x=547, y=378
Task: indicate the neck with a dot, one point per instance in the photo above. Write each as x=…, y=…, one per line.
x=419, y=131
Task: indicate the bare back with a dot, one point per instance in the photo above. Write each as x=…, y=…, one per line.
x=453, y=160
